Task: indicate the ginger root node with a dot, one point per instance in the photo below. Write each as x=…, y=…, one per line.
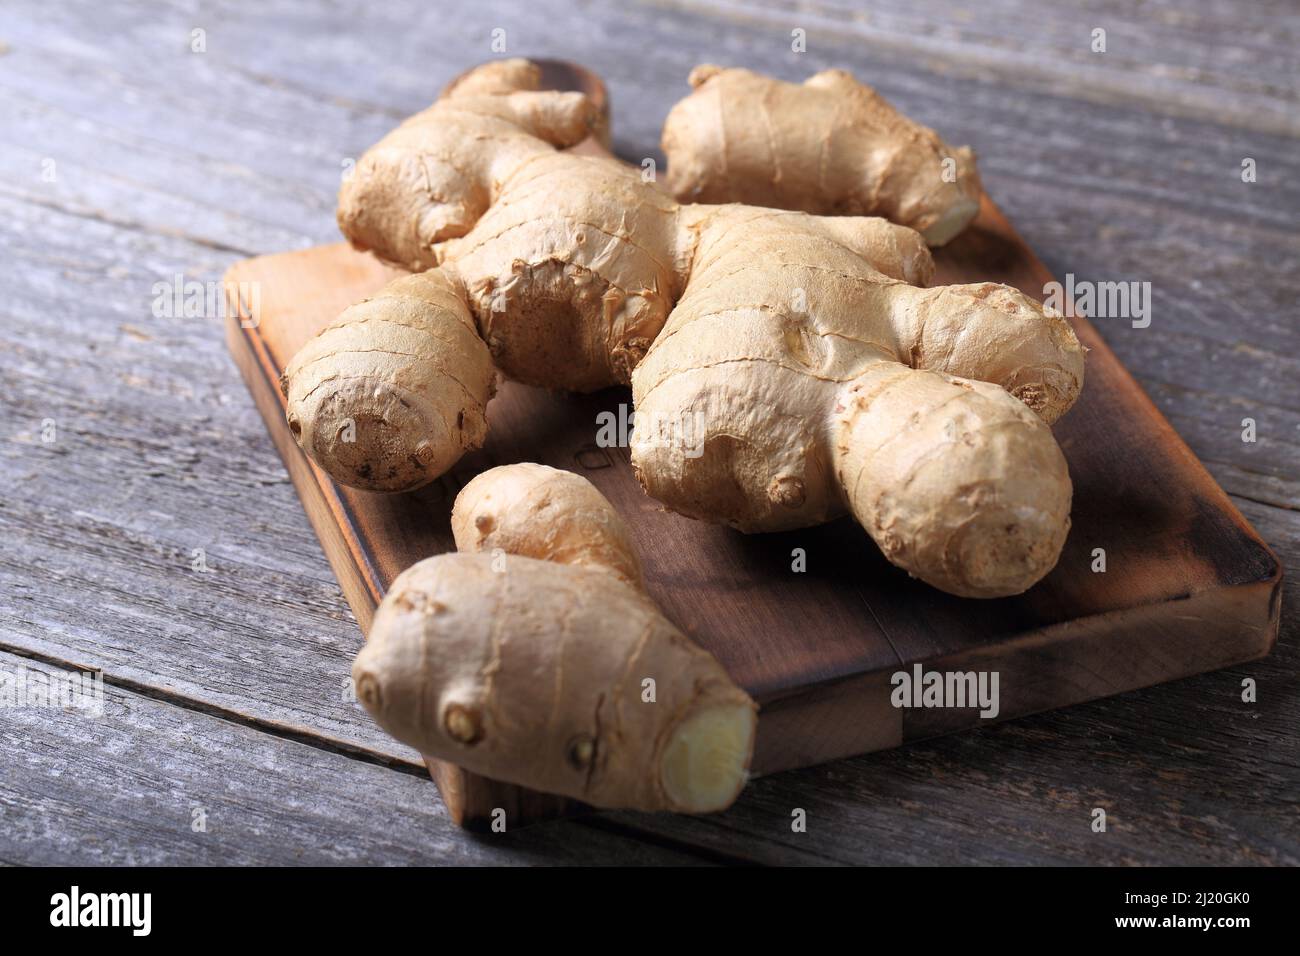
x=369, y=692
x=463, y=724
x=787, y=490
x=582, y=750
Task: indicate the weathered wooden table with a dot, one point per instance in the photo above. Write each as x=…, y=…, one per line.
x=148, y=528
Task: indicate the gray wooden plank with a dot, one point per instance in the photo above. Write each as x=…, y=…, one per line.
x=157, y=454
x=1093, y=193
x=171, y=162
x=148, y=782
x=1224, y=61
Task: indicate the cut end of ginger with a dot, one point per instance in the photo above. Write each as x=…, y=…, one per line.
x=705, y=761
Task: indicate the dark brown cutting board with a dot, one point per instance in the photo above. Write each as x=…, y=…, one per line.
x=1188, y=586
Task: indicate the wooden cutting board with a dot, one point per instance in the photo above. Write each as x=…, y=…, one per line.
x=1188, y=585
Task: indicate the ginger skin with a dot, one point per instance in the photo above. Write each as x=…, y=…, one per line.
x=392, y=393
x=522, y=657
x=792, y=394
x=433, y=177
x=829, y=146
x=786, y=368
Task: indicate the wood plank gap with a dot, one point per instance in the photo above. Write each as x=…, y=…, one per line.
x=126, y=225
x=301, y=735
x=1087, y=84
x=709, y=854
x=1280, y=506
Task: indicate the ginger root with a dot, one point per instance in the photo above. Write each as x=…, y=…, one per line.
x=800, y=375
x=393, y=392
x=526, y=657
x=786, y=368
x=435, y=175
x=829, y=146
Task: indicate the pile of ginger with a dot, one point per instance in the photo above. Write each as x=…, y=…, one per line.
x=776, y=293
